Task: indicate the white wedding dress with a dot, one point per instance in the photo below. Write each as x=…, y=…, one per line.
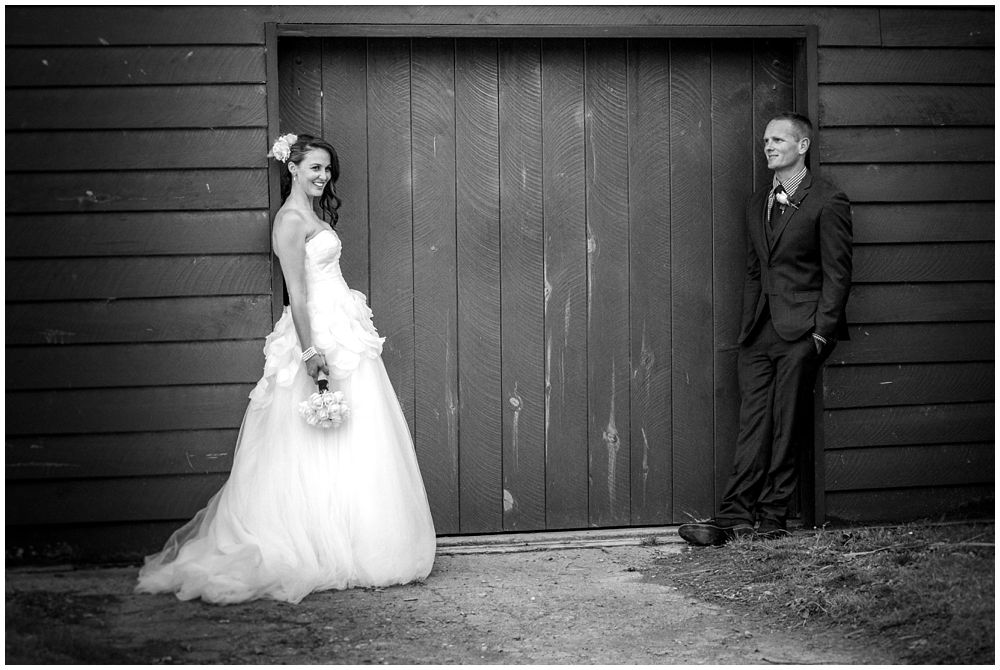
x=308, y=508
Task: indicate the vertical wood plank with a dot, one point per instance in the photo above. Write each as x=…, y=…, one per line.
x=565, y=213
x=477, y=151
x=299, y=86
x=691, y=283
x=435, y=299
x=390, y=210
x=522, y=278
x=734, y=144
x=649, y=270
x=772, y=93
x=345, y=126
x=608, y=282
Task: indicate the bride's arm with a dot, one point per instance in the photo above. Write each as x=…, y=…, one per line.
x=290, y=232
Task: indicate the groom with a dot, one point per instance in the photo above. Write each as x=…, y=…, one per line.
x=797, y=279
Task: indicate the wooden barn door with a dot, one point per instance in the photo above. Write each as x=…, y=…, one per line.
x=550, y=234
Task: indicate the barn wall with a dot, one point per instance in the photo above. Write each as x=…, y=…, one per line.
x=138, y=270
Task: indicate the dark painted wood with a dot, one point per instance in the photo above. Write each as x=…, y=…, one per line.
x=914, y=183
x=772, y=93
x=132, y=66
x=163, y=364
x=390, y=211
x=924, y=222
x=125, y=321
x=916, y=343
x=57, y=543
x=137, y=277
x=897, y=467
x=937, y=27
x=126, y=410
x=136, y=191
x=914, y=424
x=693, y=381
x=539, y=31
x=896, y=505
x=121, y=455
x=435, y=299
x=734, y=148
x=907, y=145
x=906, y=66
x=651, y=430
x=137, y=234
x=522, y=278
x=137, y=150
x=564, y=164
x=345, y=126
x=956, y=261
x=100, y=500
x=608, y=324
x=906, y=105
x=300, y=86
x=145, y=107
x=923, y=384
x=905, y=303
x=477, y=202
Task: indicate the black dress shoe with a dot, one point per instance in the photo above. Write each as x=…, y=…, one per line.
x=714, y=531
x=769, y=529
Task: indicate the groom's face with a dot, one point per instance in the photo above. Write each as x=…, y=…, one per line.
x=782, y=145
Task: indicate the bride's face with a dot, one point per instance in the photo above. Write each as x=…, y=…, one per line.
x=313, y=172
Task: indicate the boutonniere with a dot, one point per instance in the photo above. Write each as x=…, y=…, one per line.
x=783, y=200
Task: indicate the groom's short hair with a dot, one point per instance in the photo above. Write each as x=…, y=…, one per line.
x=803, y=126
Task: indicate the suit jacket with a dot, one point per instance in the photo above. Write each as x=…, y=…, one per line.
x=804, y=275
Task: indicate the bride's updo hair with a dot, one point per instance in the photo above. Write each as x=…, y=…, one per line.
x=329, y=203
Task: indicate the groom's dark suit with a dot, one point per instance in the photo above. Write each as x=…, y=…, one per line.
x=798, y=277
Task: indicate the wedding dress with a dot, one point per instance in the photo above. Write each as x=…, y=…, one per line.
x=308, y=508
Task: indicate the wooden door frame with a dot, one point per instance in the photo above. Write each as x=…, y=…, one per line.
x=806, y=87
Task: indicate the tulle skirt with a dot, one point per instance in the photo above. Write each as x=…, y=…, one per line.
x=306, y=508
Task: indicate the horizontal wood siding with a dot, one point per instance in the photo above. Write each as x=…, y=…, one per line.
x=907, y=130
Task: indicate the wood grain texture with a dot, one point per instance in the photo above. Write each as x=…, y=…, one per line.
x=914, y=424
x=522, y=278
x=435, y=299
x=693, y=379
x=345, y=125
x=140, y=107
x=137, y=277
x=126, y=321
x=651, y=426
x=480, y=410
x=905, y=105
x=915, y=343
x=951, y=262
x=897, y=467
x=137, y=234
x=136, y=191
x=911, y=384
x=390, y=210
x=906, y=303
x=947, y=182
x=131, y=66
x=154, y=408
x=937, y=27
x=923, y=222
x=608, y=324
x=898, y=505
x=127, y=365
x=906, y=66
x=773, y=92
x=300, y=86
x=733, y=153
x=907, y=145
x=104, y=500
x=121, y=455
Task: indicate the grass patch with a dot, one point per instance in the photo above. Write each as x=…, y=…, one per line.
x=926, y=591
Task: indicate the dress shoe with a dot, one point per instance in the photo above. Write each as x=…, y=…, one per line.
x=714, y=531
x=769, y=529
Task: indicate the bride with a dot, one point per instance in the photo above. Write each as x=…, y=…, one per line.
x=306, y=507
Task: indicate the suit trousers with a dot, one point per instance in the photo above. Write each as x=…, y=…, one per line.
x=776, y=380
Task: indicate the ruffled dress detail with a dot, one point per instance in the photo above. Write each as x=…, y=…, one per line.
x=305, y=508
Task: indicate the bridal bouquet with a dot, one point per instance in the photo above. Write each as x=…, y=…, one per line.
x=324, y=409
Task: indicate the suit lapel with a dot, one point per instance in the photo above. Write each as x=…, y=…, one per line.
x=790, y=212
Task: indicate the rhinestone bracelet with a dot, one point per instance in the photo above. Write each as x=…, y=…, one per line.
x=309, y=353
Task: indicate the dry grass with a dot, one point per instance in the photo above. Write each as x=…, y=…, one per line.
x=926, y=591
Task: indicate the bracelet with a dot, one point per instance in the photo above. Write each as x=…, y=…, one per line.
x=309, y=353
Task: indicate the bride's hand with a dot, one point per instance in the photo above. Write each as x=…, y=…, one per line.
x=317, y=364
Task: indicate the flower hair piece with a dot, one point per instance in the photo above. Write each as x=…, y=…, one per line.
x=282, y=148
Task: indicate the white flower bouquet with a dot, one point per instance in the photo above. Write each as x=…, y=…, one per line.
x=324, y=409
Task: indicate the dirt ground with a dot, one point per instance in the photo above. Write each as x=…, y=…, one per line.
x=568, y=604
